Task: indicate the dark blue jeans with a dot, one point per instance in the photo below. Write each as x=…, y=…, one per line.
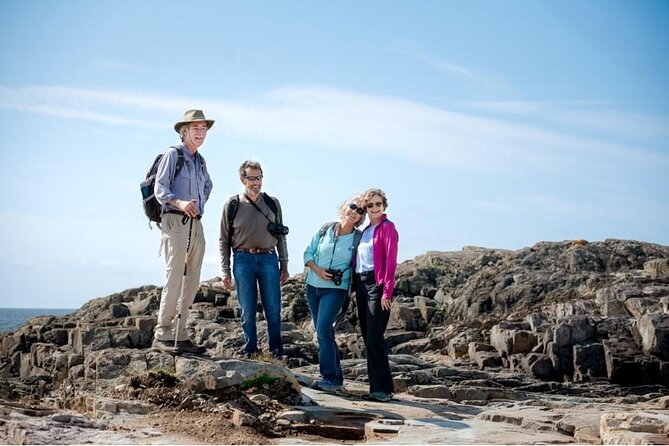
x=324, y=304
x=373, y=322
x=253, y=271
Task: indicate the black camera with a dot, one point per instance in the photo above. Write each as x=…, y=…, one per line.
x=277, y=229
x=337, y=276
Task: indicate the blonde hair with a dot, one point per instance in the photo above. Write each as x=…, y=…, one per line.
x=359, y=201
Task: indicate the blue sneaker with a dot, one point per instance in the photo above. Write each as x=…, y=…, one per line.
x=380, y=397
x=325, y=386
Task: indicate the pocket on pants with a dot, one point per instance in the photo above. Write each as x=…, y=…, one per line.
x=374, y=291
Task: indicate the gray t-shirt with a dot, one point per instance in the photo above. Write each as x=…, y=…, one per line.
x=250, y=231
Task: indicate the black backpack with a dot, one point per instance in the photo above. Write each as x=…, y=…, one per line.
x=152, y=208
x=233, y=205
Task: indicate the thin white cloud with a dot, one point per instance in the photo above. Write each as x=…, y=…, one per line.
x=603, y=206
x=461, y=73
x=587, y=115
x=79, y=114
x=337, y=119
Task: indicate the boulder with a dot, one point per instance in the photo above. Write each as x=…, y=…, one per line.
x=561, y=358
x=435, y=391
x=404, y=315
x=426, y=306
x=639, y=306
x=653, y=331
x=199, y=375
x=578, y=329
x=508, y=338
x=658, y=269
x=589, y=362
x=539, y=322
x=484, y=355
x=621, y=366
x=634, y=428
x=112, y=363
x=119, y=310
x=537, y=365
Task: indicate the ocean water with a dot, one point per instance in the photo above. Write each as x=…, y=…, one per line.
x=12, y=318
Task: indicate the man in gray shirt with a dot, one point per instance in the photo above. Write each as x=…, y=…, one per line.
x=182, y=197
x=252, y=228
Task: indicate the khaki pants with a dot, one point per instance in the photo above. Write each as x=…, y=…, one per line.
x=175, y=239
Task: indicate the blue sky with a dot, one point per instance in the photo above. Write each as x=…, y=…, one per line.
x=495, y=124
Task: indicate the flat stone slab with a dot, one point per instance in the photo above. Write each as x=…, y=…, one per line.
x=541, y=418
x=410, y=420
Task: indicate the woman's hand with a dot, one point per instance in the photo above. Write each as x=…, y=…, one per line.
x=323, y=274
x=385, y=304
x=320, y=272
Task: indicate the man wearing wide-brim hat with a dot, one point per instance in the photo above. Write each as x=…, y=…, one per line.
x=182, y=188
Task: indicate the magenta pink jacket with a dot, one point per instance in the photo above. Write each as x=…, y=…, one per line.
x=385, y=240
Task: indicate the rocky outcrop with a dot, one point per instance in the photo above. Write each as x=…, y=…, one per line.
x=475, y=326
x=575, y=310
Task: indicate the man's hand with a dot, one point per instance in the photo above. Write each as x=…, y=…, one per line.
x=227, y=282
x=284, y=276
x=188, y=207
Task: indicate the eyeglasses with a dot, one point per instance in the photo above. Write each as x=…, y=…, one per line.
x=357, y=208
x=377, y=204
x=253, y=178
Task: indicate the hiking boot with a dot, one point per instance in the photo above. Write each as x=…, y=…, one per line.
x=379, y=397
x=326, y=386
x=251, y=355
x=163, y=346
x=187, y=346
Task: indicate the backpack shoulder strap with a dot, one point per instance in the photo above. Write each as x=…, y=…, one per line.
x=357, y=235
x=324, y=228
x=180, y=160
x=233, y=205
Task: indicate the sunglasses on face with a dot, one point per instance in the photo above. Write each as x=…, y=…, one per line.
x=356, y=208
x=253, y=178
x=377, y=204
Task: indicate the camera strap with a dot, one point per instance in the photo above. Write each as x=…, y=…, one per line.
x=334, y=245
x=257, y=208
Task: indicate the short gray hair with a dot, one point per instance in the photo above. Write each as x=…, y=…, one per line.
x=371, y=192
x=248, y=164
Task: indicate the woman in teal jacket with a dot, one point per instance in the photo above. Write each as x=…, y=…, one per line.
x=329, y=257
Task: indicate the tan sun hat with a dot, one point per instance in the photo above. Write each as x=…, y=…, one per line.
x=193, y=116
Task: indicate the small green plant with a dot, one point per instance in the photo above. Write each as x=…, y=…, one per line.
x=259, y=381
x=442, y=310
x=170, y=371
x=264, y=357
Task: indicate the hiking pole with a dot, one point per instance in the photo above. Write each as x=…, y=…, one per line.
x=183, y=282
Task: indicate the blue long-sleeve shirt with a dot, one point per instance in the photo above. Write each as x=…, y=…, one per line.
x=320, y=251
x=192, y=183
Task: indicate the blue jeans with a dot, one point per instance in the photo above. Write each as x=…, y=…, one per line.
x=324, y=304
x=252, y=271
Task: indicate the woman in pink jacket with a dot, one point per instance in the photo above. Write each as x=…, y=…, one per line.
x=374, y=282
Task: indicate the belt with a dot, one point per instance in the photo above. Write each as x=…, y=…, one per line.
x=197, y=217
x=366, y=275
x=255, y=250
